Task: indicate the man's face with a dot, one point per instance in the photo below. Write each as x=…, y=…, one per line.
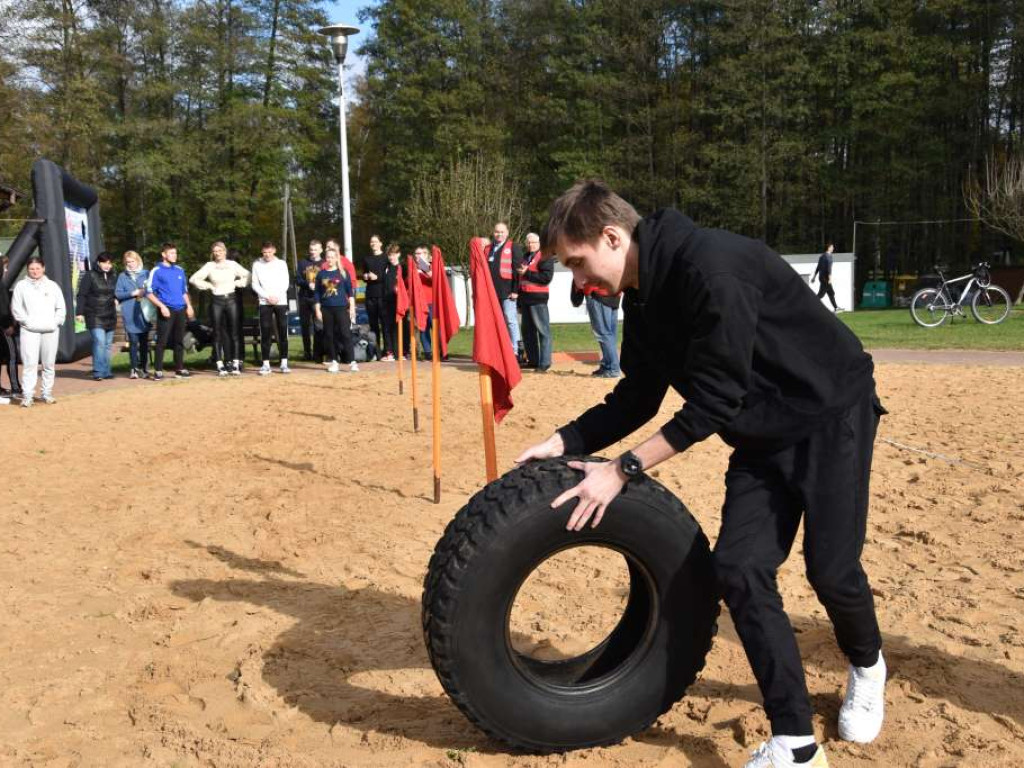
x=500, y=234
x=394, y=257
x=36, y=270
x=268, y=253
x=533, y=243
x=375, y=244
x=423, y=254
x=599, y=264
x=170, y=255
x=315, y=249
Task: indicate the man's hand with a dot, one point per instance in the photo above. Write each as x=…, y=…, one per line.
x=513, y=296
x=165, y=311
x=272, y=300
x=190, y=313
x=551, y=448
x=79, y=318
x=522, y=269
x=604, y=481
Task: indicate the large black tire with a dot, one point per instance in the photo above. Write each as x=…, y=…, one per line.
x=616, y=689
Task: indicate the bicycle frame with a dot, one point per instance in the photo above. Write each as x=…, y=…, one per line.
x=945, y=293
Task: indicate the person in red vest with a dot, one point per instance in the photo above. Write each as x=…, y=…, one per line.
x=504, y=259
x=534, y=279
x=603, y=311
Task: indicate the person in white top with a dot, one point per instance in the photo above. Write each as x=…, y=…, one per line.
x=38, y=307
x=222, y=276
x=270, y=281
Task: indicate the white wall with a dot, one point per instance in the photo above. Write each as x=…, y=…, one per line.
x=561, y=309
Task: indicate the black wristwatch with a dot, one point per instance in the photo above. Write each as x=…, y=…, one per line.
x=631, y=465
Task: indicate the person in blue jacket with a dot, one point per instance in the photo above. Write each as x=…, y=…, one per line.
x=130, y=288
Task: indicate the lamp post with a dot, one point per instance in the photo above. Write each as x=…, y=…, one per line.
x=339, y=34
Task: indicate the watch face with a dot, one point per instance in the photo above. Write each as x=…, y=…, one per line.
x=631, y=465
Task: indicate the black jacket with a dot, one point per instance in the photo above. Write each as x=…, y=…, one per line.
x=729, y=325
x=304, y=268
x=375, y=264
x=96, y=298
x=390, y=279
x=824, y=268
x=545, y=272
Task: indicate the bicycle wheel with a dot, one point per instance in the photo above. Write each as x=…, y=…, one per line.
x=929, y=308
x=991, y=305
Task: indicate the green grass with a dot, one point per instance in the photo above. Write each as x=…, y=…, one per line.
x=877, y=329
x=896, y=329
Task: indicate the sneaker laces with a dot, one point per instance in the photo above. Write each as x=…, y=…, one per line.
x=863, y=692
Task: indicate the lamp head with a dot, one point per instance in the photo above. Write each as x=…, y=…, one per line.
x=339, y=34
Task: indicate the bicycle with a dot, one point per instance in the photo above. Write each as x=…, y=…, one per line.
x=990, y=304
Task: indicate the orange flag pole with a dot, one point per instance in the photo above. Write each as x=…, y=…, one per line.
x=487, y=412
x=400, y=323
x=436, y=397
x=412, y=374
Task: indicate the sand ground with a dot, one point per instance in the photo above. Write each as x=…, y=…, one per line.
x=228, y=573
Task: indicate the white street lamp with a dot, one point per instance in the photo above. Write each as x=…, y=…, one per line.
x=339, y=34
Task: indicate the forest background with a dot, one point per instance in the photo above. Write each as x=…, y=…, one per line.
x=785, y=120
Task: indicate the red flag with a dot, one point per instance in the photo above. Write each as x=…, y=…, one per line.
x=402, y=296
x=444, y=303
x=416, y=295
x=491, y=343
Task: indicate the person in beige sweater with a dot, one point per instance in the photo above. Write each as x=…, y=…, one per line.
x=222, y=277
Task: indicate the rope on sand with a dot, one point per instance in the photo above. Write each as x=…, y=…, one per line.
x=932, y=455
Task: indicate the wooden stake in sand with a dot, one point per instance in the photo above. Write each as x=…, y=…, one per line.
x=412, y=375
x=435, y=396
x=401, y=388
x=487, y=413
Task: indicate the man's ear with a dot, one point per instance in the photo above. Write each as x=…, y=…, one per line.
x=613, y=235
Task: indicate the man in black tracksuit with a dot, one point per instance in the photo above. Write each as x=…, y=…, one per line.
x=305, y=295
x=824, y=271
x=728, y=324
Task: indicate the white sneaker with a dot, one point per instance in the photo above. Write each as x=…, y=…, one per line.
x=863, y=710
x=333, y=367
x=48, y=399
x=773, y=754
x=264, y=370
x=353, y=367
x=285, y=368
x=26, y=402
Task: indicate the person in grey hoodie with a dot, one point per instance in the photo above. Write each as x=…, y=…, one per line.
x=38, y=307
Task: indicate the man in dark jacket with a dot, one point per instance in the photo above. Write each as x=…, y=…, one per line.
x=729, y=325
x=535, y=275
x=305, y=295
x=97, y=308
x=824, y=271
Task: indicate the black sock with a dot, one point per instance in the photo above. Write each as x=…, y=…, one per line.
x=804, y=754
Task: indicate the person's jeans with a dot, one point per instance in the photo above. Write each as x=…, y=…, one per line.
x=604, y=322
x=511, y=312
x=138, y=350
x=101, y=341
x=537, y=335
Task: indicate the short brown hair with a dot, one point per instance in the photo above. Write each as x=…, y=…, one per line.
x=268, y=244
x=583, y=211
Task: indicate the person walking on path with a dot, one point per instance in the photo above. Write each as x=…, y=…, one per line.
x=168, y=292
x=270, y=282
x=336, y=309
x=824, y=271
x=729, y=325
x=97, y=308
x=129, y=291
x=222, y=277
x=504, y=259
x=535, y=276
x=38, y=307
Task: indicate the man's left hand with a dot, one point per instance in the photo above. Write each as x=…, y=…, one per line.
x=603, y=481
x=190, y=313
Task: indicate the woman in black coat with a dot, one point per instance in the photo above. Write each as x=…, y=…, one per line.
x=97, y=308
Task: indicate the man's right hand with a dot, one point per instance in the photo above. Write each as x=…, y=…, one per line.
x=551, y=448
x=165, y=311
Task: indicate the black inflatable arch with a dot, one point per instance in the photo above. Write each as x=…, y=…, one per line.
x=65, y=204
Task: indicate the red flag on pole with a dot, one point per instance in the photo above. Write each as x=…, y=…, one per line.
x=416, y=295
x=491, y=343
x=402, y=297
x=445, y=312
